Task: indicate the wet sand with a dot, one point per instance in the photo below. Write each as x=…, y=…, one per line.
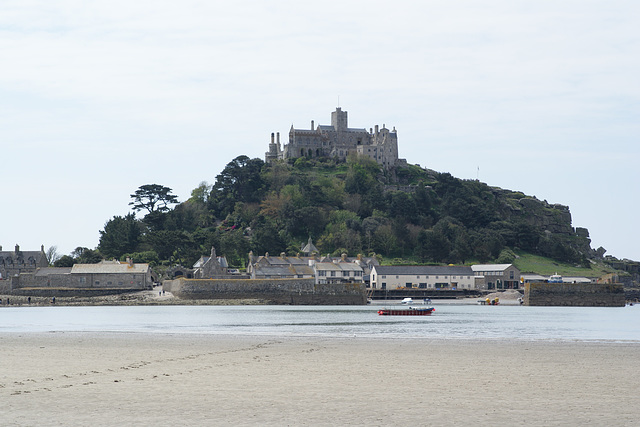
x=154, y=379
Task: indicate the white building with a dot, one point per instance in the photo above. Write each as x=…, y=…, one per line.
x=422, y=277
x=337, y=272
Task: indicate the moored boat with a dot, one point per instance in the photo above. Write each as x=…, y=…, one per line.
x=411, y=311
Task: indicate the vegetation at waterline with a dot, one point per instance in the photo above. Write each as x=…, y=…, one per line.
x=406, y=213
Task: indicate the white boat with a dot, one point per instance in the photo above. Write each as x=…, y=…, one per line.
x=406, y=301
x=555, y=278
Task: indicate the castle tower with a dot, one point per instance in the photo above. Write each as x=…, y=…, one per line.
x=339, y=119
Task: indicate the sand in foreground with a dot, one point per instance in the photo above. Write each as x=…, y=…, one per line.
x=145, y=379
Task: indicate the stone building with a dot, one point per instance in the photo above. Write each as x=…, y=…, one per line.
x=102, y=275
x=337, y=140
x=15, y=262
x=214, y=267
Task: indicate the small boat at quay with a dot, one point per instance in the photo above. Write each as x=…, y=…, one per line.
x=411, y=311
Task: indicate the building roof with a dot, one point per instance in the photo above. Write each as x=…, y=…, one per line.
x=426, y=270
x=490, y=267
x=337, y=266
x=109, y=267
x=47, y=271
x=284, y=270
x=310, y=247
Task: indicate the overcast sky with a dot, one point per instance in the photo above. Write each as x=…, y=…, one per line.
x=100, y=97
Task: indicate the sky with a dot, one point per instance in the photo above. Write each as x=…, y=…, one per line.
x=100, y=97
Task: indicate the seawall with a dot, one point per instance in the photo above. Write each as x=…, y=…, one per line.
x=272, y=291
x=574, y=294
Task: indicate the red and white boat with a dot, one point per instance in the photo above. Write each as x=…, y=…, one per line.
x=411, y=311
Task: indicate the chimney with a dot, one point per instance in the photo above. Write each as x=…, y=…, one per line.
x=272, y=137
x=17, y=248
x=312, y=125
x=278, y=138
x=376, y=128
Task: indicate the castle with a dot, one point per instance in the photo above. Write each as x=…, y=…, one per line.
x=338, y=141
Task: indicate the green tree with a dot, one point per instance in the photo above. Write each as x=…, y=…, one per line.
x=65, y=261
x=121, y=235
x=86, y=256
x=152, y=198
x=239, y=181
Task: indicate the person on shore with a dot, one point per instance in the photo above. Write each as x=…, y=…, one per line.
x=29, y=300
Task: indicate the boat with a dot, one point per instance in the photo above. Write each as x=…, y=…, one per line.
x=411, y=311
x=555, y=278
x=406, y=301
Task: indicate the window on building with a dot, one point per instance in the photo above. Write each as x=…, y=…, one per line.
x=83, y=280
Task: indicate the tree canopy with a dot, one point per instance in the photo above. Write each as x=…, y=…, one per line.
x=153, y=198
x=354, y=206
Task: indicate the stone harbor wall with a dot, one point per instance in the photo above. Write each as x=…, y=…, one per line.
x=574, y=294
x=272, y=291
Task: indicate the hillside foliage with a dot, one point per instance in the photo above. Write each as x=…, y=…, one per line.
x=352, y=207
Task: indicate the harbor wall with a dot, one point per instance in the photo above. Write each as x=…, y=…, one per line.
x=574, y=294
x=272, y=291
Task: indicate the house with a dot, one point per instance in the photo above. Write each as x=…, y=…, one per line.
x=347, y=269
x=497, y=276
x=338, y=272
x=213, y=267
x=282, y=267
x=422, y=277
x=15, y=262
x=103, y=275
x=112, y=274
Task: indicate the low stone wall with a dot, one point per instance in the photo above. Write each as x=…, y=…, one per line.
x=574, y=294
x=272, y=291
x=69, y=292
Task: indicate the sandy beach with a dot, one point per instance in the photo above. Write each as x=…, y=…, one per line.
x=154, y=379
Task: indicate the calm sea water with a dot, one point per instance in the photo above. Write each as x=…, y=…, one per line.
x=450, y=321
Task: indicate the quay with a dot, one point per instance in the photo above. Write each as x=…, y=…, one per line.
x=433, y=294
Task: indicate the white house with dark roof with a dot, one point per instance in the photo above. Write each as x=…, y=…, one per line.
x=422, y=277
x=337, y=272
